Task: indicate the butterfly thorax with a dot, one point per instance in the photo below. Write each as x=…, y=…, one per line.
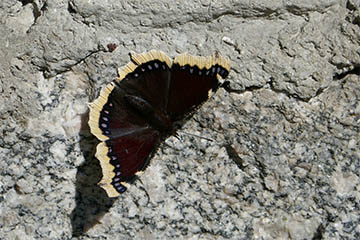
x=156, y=119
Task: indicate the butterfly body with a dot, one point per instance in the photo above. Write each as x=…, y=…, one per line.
x=156, y=119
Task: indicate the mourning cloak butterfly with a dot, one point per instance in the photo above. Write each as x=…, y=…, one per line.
x=146, y=104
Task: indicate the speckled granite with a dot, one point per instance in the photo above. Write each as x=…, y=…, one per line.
x=283, y=162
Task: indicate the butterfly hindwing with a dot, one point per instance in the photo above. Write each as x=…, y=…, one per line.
x=127, y=138
x=121, y=158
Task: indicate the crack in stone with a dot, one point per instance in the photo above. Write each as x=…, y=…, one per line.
x=355, y=70
x=46, y=71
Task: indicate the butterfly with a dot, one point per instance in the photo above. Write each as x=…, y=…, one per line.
x=152, y=98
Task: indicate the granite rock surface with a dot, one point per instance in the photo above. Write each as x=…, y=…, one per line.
x=283, y=161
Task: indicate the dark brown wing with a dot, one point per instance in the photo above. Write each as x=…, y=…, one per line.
x=128, y=140
x=193, y=79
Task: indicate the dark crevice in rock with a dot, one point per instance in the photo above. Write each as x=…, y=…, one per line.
x=319, y=91
x=44, y=7
x=262, y=173
x=229, y=89
x=354, y=15
x=321, y=229
x=319, y=232
x=353, y=18
x=355, y=70
x=36, y=12
x=290, y=95
x=48, y=73
x=71, y=9
x=262, y=15
x=24, y=2
x=351, y=5
x=233, y=155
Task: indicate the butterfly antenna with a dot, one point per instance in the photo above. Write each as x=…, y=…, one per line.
x=194, y=135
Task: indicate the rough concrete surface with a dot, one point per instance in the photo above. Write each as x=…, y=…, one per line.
x=283, y=162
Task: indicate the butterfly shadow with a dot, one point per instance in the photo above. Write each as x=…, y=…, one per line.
x=92, y=203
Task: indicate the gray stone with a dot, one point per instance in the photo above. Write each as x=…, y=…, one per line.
x=293, y=124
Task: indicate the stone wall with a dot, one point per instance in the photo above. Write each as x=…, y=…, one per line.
x=283, y=162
